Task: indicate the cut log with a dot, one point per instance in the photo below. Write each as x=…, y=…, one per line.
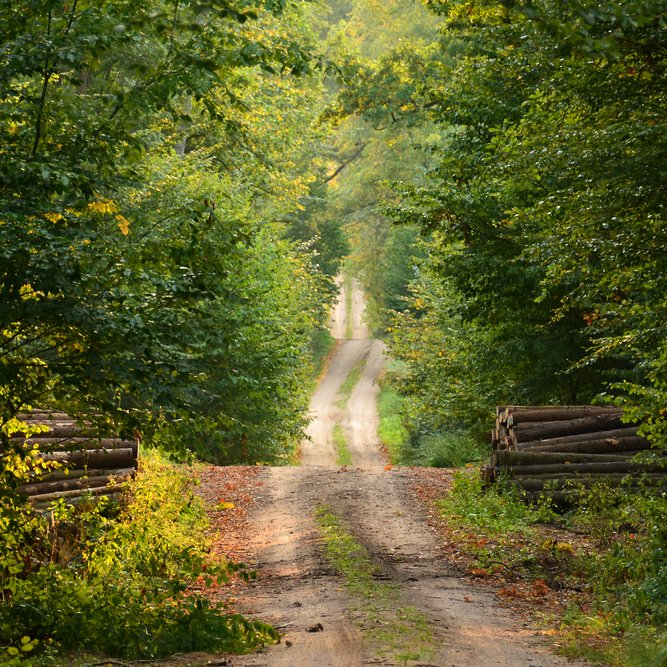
x=522, y=415
x=75, y=493
x=530, y=457
x=628, y=431
x=598, y=446
x=43, y=415
x=81, y=483
x=565, y=476
x=94, y=458
x=48, y=443
x=563, y=470
x=64, y=429
x=554, y=429
x=57, y=475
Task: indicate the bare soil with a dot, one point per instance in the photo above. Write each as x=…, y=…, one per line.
x=273, y=528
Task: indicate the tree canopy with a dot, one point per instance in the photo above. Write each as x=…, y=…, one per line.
x=152, y=154
x=540, y=201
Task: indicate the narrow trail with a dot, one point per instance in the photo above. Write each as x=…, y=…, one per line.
x=301, y=594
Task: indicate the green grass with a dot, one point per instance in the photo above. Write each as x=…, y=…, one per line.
x=438, y=450
x=343, y=455
x=391, y=430
x=397, y=631
x=350, y=383
x=445, y=450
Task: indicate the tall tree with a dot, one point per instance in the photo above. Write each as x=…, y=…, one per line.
x=545, y=213
x=141, y=184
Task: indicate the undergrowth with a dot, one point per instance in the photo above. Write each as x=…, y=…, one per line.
x=608, y=551
x=417, y=447
x=125, y=582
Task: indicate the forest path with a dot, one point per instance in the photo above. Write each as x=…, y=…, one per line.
x=415, y=610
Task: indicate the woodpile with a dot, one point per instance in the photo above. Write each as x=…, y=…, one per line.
x=550, y=449
x=87, y=462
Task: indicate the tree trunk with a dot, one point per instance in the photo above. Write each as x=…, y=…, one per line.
x=82, y=483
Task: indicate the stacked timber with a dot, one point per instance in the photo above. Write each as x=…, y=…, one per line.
x=547, y=449
x=87, y=463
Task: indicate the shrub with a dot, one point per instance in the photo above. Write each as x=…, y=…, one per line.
x=128, y=582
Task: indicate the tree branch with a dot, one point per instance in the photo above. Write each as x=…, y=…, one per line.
x=357, y=153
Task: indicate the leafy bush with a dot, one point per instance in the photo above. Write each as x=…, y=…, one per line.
x=127, y=585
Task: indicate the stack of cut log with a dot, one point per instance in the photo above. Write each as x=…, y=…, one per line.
x=90, y=464
x=545, y=449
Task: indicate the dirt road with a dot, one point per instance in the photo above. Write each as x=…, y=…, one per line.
x=413, y=610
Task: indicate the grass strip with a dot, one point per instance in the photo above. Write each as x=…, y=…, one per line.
x=350, y=383
x=349, y=331
x=343, y=454
x=400, y=632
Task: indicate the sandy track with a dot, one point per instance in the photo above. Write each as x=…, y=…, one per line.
x=298, y=591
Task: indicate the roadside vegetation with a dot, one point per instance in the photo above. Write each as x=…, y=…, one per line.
x=595, y=572
x=322, y=346
x=124, y=579
x=411, y=448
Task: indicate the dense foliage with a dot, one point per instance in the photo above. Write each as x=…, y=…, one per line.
x=542, y=214
x=152, y=154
